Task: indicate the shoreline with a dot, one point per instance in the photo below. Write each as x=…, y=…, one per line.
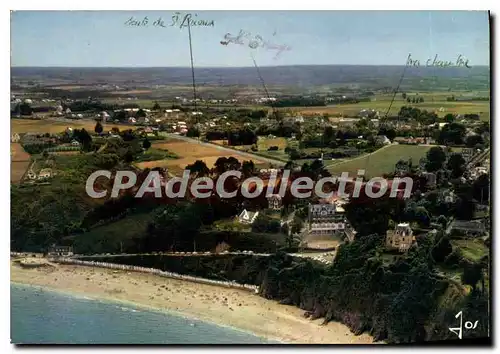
x=231, y=308
x=137, y=306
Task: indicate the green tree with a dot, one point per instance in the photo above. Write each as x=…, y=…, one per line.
x=474, y=140
x=472, y=274
x=452, y=133
x=296, y=225
x=193, y=132
x=435, y=159
x=248, y=168
x=98, y=128
x=199, y=167
x=442, y=220
x=456, y=164
x=265, y=224
x=442, y=249
x=156, y=106
x=146, y=144
x=140, y=113
x=449, y=118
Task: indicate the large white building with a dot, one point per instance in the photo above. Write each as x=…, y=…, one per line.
x=326, y=218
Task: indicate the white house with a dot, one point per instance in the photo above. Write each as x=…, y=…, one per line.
x=248, y=217
x=45, y=173
x=382, y=139
x=75, y=143
x=31, y=174
x=15, y=138
x=274, y=201
x=104, y=116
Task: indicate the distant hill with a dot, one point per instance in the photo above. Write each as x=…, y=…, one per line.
x=306, y=76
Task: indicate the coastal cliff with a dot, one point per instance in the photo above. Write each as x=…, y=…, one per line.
x=400, y=302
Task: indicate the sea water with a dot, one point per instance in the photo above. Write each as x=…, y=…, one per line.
x=40, y=316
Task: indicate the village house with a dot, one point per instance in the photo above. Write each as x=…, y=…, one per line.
x=401, y=238
x=45, y=173
x=15, y=138
x=467, y=153
x=448, y=196
x=382, y=140
x=375, y=123
x=474, y=173
x=75, y=143
x=248, y=217
x=275, y=202
x=431, y=178
x=104, y=115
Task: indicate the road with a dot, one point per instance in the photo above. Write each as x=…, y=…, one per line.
x=228, y=150
x=478, y=158
x=321, y=256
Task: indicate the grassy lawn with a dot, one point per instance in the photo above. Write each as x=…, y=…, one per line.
x=381, y=161
x=153, y=154
x=472, y=249
x=231, y=224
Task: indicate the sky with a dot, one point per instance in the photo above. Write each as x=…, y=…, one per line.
x=102, y=38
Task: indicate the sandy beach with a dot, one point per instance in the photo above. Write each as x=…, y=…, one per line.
x=223, y=306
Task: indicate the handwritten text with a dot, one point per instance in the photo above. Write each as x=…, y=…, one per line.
x=253, y=42
x=460, y=62
x=177, y=20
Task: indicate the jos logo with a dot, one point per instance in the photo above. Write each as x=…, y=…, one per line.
x=468, y=325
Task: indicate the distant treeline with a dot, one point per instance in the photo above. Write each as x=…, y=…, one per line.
x=298, y=101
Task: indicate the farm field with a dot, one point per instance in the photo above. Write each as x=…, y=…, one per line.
x=381, y=161
x=54, y=126
x=20, y=161
x=432, y=102
x=18, y=153
x=188, y=153
x=17, y=170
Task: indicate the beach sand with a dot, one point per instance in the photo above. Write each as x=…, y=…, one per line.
x=223, y=306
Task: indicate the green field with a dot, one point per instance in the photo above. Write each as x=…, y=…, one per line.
x=381, y=161
x=435, y=101
x=473, y=249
